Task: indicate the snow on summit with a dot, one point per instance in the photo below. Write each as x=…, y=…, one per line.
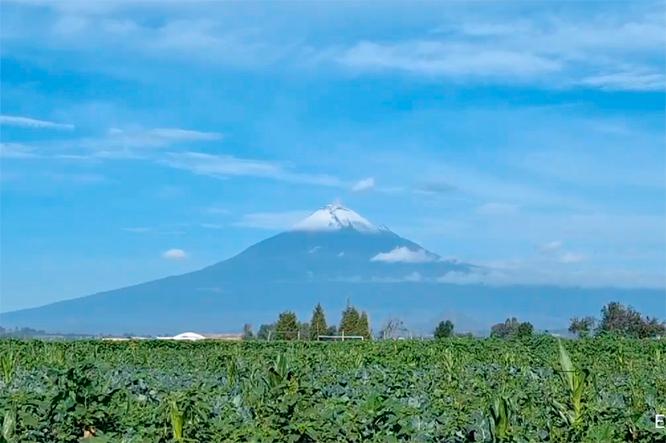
x=334, y=217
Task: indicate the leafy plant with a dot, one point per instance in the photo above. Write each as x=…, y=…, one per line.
x=575, y=381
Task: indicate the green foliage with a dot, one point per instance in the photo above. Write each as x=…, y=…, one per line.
x=266, y=332
x=444, y=329
x=349, y=322
x=575, y=381
x=247, y=332
x=582, y=326
x=354, y=323
x=604, y=389
x=525, y=329
x=621, y=320
x=318, y=323
x=177, y=417
x=364, y=326
x=512, y=328
x=8, y=365
x=287, y=327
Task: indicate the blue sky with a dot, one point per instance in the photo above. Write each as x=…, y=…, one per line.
x=143, y=140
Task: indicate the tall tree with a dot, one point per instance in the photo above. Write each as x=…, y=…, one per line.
x=364, y=326
x=266, y=332
x=318, y=323
x=287, y=326
x=350, y=321
x=247, y=332
x=582, y=327
x=525, y=329
x=512, y=328
x=444, y=329
x=618, y=319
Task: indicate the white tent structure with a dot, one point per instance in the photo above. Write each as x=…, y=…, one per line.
x=191, y=336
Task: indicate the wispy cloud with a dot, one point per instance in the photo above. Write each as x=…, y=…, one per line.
x=435, y=187
x=550, y=247
x=174, y=254
x=27, y=122
x=139, y=138
x=571, y=257
x=523, y=43
x=525, y=273
x=641, y=80
x=224, y=166
x=554, y=250
x=17, y=151
x=403, y=254
x=364, y=185
x=435, y=58
x=548, y=50
x=115, y=143
x=271, y=220
x=77, y=177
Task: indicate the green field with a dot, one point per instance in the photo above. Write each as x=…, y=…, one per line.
x=452, y=390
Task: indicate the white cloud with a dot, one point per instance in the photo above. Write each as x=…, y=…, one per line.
x=27, y=122
x=550, y=247
x=135, y=143
x=463, y=278
x=413, y=277
x=80, y=178
x=571, y=257
x=271, y=220
x=525, y=273
x=435, y=187
x=137, y=138
x=174, y=254
x=364, y=185
x=627, y=81
x=624, y=50
x=432, y=58
x=554, y=250
x=17, y=151
x=177, y=134
x=526, y=43
x=223, y=166
x=403, y=254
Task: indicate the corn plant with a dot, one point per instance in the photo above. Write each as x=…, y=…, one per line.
x=501, y=411
x=9, y=427
x=8, y=362
x=177, y=417
x=575, y=382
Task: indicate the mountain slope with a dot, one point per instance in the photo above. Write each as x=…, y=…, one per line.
x=331, y=256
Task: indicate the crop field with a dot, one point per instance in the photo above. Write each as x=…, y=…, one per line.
x=455, y=390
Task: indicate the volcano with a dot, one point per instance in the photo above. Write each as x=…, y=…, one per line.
x=333, y=256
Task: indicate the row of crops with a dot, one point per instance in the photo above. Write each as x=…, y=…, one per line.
x=457, y=390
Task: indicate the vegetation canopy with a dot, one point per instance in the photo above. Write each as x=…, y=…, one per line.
x=606, y=389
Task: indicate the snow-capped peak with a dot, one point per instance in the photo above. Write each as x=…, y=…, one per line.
x=333, y=217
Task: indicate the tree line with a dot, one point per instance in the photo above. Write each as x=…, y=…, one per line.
x=287, y=327
x=615, y=319
x=620, y=320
